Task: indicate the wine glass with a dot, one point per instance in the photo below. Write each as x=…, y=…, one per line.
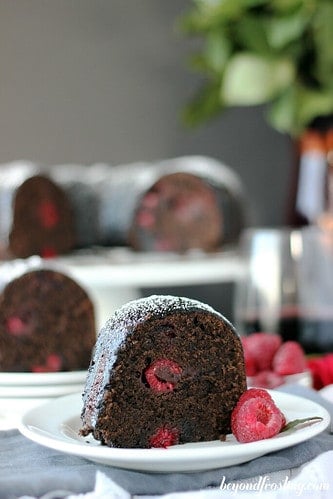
x=287, y=287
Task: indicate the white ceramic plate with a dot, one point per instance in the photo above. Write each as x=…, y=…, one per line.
x=303, y=379
x=34, y=379
x=12, y=410
x=28, y=391
x=56, y=425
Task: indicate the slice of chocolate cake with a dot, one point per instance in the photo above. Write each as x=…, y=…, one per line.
x=47, y=323
x=180, y=212
x=166, y=370
x=177, y=205
x=78, y=182
x=36, y=215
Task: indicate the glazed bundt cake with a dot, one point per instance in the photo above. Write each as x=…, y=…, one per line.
x=165, y=370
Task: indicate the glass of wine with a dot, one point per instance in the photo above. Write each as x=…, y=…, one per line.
x=287, y=286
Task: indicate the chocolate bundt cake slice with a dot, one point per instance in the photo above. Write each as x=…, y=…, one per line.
x=176, y=205
x=166, y=370
x=42, y=219
x=36, y=216
x=47, y=323
x=180, y=212
x=78, y=183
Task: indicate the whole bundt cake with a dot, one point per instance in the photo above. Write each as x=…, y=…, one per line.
x=165, y=370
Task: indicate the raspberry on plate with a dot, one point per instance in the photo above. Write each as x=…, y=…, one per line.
x=254, y=393
x=260, y=348
x=289, y=359
x=267, y=379
x=256, y=418
x=250, y=363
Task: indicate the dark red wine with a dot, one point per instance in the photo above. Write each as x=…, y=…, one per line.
x=313, y=333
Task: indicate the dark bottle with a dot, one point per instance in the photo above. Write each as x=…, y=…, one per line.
x=325, y=221
x=308, y=191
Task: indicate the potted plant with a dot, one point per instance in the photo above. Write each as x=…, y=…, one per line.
x=273, y=52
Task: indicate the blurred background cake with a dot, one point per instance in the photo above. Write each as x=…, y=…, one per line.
x=78, y=182
x=47, y=320
x=36, y=217
x=178, y=204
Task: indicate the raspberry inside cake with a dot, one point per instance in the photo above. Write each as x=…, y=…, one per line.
x=42, y=219
x=47, y=324
x=178, y=213
x=166, y=370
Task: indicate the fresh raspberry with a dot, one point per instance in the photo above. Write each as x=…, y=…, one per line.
x=53, y=364
x=256, y=418
x=251, y=393
x=261, y=347
x=289, y=359
x=162, y=375
x=284, y=420
x=48, y=214
x=321, y=369
x=250, y=363
x=164, y=437
x=267, y=379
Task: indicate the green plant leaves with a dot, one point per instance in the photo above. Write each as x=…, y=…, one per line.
x=277, y=52
x=282, y=30
x=251, y=80
x=286, y=6
x=281, y=114
x=217, y=50
x=205, y=105
x=323, y=42
x=251, y=33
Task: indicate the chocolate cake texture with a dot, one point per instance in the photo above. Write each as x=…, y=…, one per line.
x=165, y=370
x=36, y=217
x=80, y=183
x=47, y=321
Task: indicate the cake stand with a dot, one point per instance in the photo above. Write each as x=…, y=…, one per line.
x=114, y=276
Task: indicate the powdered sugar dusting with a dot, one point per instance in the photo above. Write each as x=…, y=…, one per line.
x=134, y=312
x=156, y=305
